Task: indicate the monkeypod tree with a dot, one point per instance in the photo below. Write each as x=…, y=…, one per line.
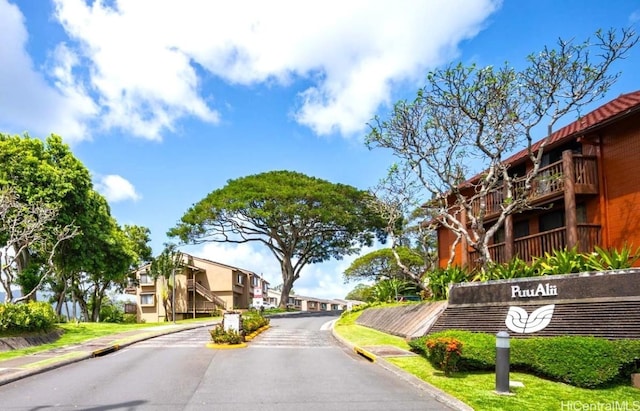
x=466, y=118
x=301, y=219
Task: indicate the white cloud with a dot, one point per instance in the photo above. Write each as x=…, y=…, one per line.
x=28, y=102
x=146, y=57
x=115, y=189
x=322, y=280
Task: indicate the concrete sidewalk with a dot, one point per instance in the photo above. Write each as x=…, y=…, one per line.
x=21, y=367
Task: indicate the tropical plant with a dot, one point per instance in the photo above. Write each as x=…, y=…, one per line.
x=441, y=279
x=601, y=260
x=516, y=268
x=390, y=289
x=563, y=261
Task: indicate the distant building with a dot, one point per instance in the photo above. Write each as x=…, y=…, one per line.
x=304, y=303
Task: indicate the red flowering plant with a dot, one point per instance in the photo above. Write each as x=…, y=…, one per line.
x=444, y=353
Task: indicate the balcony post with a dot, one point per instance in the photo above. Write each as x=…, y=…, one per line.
x=464, y=247
x=571, y=220
x=508, y=238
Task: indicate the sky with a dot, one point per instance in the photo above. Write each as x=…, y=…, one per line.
x=165, y=101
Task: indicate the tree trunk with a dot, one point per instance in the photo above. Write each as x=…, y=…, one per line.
x=288, y=277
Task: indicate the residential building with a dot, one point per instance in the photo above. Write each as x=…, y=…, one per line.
x=302, y=303
x=202, y=286
x=586, y=193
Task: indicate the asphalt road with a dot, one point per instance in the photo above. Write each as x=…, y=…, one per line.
x=295, y=365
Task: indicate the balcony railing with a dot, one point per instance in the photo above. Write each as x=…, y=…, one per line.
x=536, y=245
x=201, y=306
x=549, y=183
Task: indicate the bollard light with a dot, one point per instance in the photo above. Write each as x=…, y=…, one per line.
x=502, y=362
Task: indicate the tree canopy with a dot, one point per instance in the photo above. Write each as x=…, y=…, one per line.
x=301, y=219
x=67, y=238
x=382, y=264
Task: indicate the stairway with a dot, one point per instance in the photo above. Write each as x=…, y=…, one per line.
x=206, y=293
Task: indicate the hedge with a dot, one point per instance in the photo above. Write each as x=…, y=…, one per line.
x=581, y=361
x=26, y=317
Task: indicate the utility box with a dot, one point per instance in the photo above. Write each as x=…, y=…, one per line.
x=232, y=321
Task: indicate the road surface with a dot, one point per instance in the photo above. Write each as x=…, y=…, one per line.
x=295, y=365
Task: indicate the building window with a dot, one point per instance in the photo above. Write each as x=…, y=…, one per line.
x=240, y=279
x=146, y=279
x=147, y=299
x=581, y=214
x=521, y=229
x=551, y=221
x=255, y=281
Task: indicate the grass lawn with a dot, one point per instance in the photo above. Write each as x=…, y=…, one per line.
x=75, y=333
x=476, y=388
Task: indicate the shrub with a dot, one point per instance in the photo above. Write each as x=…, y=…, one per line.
x=252, y=321
x=26, y=317
x=129, y=319
x=221, y=336
x=444, y=353
x=581, y=361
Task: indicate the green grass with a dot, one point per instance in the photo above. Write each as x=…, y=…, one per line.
x=477, y=388
x=76, y=333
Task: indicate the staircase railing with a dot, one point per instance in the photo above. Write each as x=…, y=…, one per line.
x=206, y=293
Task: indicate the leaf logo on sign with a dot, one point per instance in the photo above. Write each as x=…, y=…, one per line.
x=522, y=323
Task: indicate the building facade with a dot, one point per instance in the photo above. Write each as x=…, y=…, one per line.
x=201, y=287
x=586, y=193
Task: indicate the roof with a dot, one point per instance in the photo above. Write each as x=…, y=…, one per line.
x=614, y=109
x=190, y=257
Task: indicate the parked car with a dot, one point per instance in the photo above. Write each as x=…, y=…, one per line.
x=264, y=305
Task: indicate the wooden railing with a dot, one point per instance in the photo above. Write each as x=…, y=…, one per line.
x=536, y=245
x=202, y=306
x=548, y=183
x=206, y=293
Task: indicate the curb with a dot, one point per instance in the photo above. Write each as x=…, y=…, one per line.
x=89, y=354
x=436, y=393
x=226, y=346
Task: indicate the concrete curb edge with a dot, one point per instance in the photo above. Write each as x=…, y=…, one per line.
x=438, y=394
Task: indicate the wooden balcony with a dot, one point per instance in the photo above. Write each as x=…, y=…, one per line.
x=536, y=245
x=548, y=185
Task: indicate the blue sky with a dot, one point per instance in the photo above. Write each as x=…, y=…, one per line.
x=165, y=101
